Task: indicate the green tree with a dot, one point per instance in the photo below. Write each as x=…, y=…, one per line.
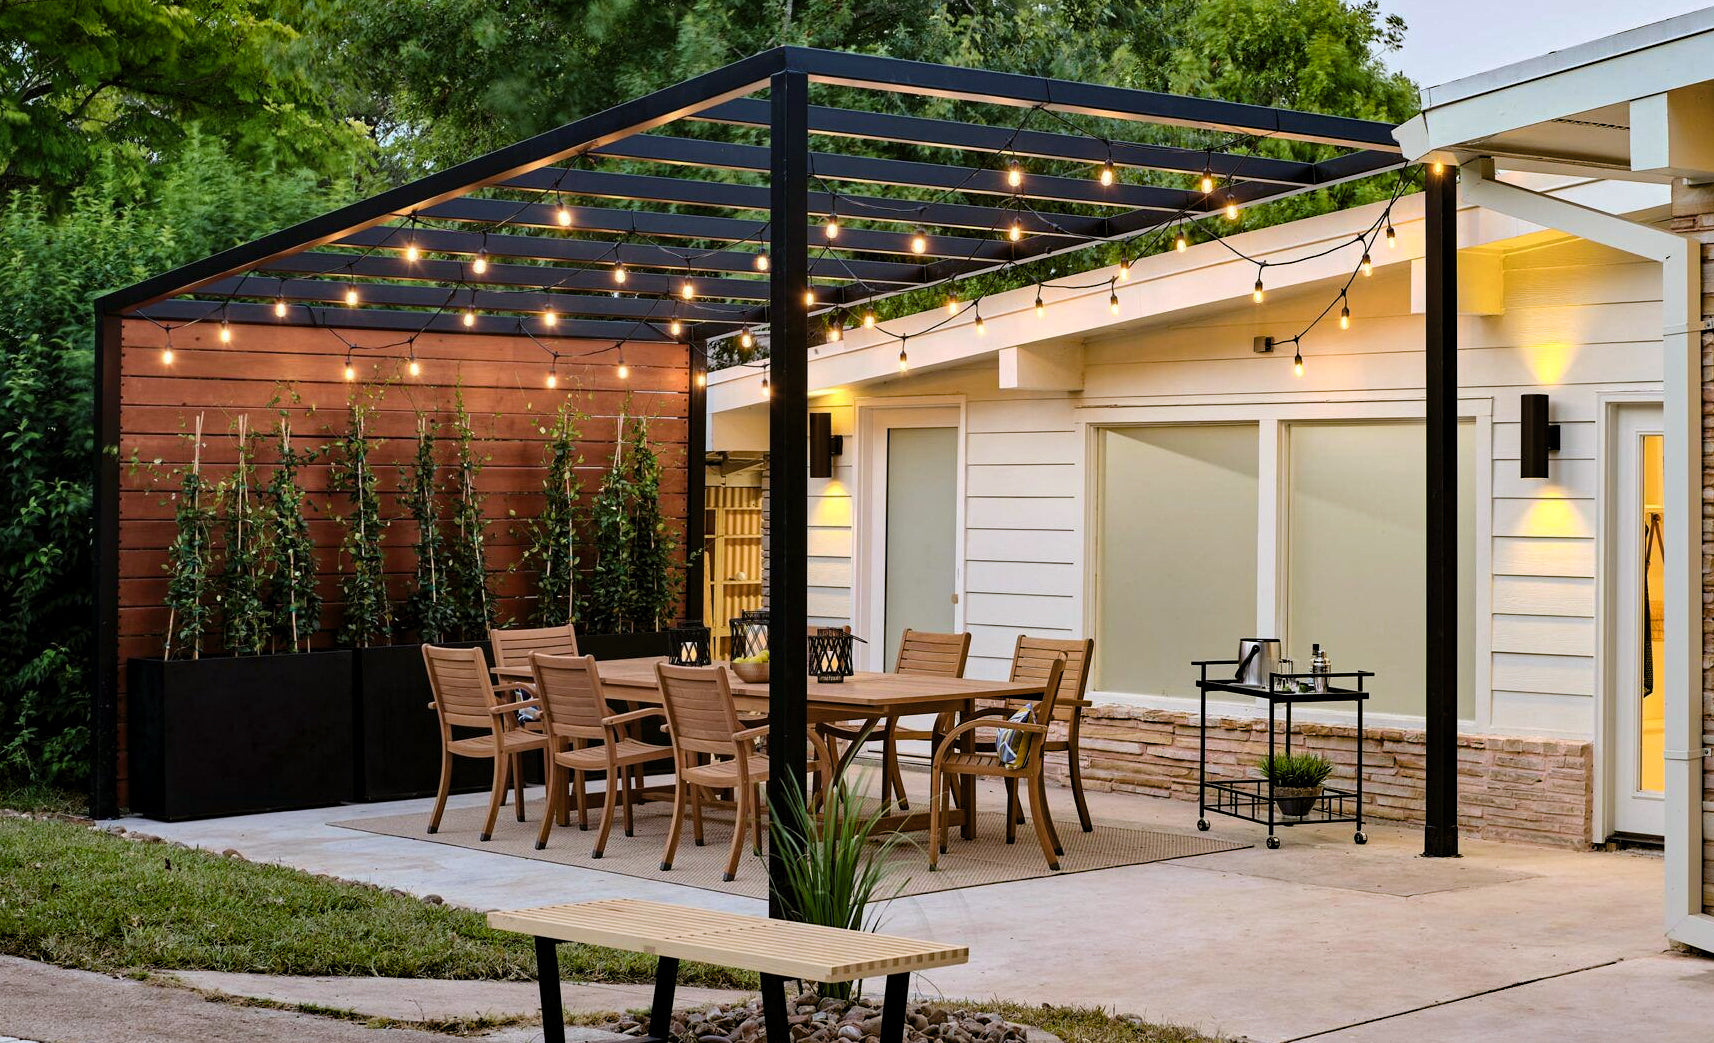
x=552, y=534
x=246, y=565
x=368, y=613
x=428, y=607
x=87, y=84
x=467, y=580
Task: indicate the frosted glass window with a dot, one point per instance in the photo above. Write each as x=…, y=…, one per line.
x=1356, y=560
x=1177, y=532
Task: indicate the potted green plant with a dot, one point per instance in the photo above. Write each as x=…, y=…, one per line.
x=1296, y=780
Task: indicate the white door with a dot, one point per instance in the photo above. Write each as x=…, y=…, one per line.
x=1636, y=753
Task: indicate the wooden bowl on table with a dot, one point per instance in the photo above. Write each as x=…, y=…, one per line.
x=751, y=673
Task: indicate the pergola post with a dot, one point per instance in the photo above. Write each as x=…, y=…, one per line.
x=1440, y=358
x=788, y=449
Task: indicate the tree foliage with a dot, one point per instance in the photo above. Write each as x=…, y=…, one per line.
x=634, y=582
x=428, y=606
x=467, y=581
x=552, y=533
x=368, y=612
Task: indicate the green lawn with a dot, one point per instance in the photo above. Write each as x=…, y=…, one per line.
x=79, y=897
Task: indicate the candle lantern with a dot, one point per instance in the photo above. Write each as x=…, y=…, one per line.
x=830, y=654
x=688, y=645
x=749, y=634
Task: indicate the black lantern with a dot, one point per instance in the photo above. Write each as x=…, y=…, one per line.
x=688, y=645
x=750, y=634
x=829, y=654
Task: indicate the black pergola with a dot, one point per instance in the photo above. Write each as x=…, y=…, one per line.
x=535, y=239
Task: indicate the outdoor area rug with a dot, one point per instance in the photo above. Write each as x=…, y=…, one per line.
x=968, y=863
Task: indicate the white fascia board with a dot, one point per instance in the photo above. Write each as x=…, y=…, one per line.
x=1650, y=60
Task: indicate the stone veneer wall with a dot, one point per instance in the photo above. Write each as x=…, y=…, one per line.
x=1539, y=791
x=1693, y=215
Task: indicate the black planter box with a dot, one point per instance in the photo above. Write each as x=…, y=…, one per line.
x=397, y=743
x=233, y=735
x=623, y=646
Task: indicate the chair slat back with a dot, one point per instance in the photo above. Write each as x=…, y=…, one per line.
x=1032, y=657
x=459, y=679
x=936, y=655
x=700, y=712
x=512, y=646
x=573, y=701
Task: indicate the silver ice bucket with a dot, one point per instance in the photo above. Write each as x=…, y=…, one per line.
x=1258, y=657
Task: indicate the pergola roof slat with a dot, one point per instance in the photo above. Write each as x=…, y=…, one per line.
x=180, y=310
x=458, y=298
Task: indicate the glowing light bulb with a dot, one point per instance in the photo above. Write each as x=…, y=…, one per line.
x=1113, y=303
x=868, y=319
x=904, y=362
x=550, y=317
x=1368, y=265
x=765, y=391
x=809, y=298
x=1392, y=236
x=834, y=333
x=350, y=371
x=1124, y=269
x=951, y=304
x=1108, y=174
x=553, y=379
x=415, y=368
x=919, y=243
x=675, y=327
x=225, y=332
x=688, y=290
x=761, y=262
x=1207, y=184
x=702, y=380
x=1297, y=364
x=1014, y=174
x=279, y=307
x=351, y=296
x=746, y=340
x=1440, y=168
x=167, y=356
x=1015, y=232
x=1181, y=244
x=619, y=274
x=1345, y=316
x=1041, y=309
x=412, y=253
x=480, y=265
x=1256, y=294
x=469, y=317
x=1231, y=209
x=981, y=327
x=832, y=228
x=624, y=370
x=562, y=214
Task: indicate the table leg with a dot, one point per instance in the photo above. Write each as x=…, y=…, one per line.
x=547, y=977
x=661, y=1010
x=893, y=1011
x=967, y=783
x=775, y=1026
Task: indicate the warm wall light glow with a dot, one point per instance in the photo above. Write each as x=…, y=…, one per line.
x=1549, y=363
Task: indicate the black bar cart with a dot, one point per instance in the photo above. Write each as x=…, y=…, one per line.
x=1253, y=799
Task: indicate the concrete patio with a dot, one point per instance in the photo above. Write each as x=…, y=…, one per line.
x=1321, y=939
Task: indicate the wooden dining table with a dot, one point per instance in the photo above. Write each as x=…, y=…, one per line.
x=863, y=696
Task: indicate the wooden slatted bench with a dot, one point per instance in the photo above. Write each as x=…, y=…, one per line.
x=775, y=949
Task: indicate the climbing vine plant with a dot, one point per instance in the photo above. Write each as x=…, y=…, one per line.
x=472, y=602
x=635, y=581
x=368, y=615
x=294, y=602
x=552, y=535
x=245, y=573
x=428, y=608
x=188, y=558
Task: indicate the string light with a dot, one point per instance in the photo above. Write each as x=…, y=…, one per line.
x=279, y=307
x=1181, y=244
x=553, y=378
x=562, y=214
x=167, y=352
x=1440, y=168
x=765, y=392
x=1231, y=207
x=746, y=339
x=675, y=327
x=809, y=298
x=415, y=368
x=412, y=254
x=1368, y=265
x=833, y=332
x=1113, y=300
x=904, y=362
x=480, y=265
x=701, y=379
x=868, y=318
x=1344, y=313
x=1297, y=363
x=550, y=317
x=1015, y=232
x=225, y=332
x=919, y=242
x=1257, y=294
x=688, y=290
x=1014, y=174
x=1392, y=236
x=831, y=228
x=951, y=303
x=1041, y=309
x=350, y=296
x=761, y=262
x=350, y=370
x=981, y=327
x=1124, y=268
x=624, y=370
x=1207, y=184
x=619, y=273
x=469, y=317
x=1107, y=173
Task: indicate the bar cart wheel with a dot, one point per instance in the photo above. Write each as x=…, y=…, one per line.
x=1361, y=837
x=1273, y=843
x=1202, y=824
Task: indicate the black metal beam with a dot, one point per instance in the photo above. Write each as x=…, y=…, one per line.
x=899, y=76
x=725, y=195
x=533, y=303
x=532, y=276
x=645, y=113
x=104, y=691
x=788, y=470
x=1036, y=144
x=637, y=255
x=696, y=468
x=695, y=226
x=305, y=316
x=832, y=166
x=1440, y=357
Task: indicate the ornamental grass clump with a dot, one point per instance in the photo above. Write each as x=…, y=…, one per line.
x=1296, y=770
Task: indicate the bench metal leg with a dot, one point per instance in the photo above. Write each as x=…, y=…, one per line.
x=661, y=1010
x=775, y=1024
x=893, y=1011
x=547, y=976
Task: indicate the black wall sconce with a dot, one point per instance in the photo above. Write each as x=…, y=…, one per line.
x=1536, y=437
x=824, y=445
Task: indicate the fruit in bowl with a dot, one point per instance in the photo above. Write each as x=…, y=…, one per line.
x=752, y=669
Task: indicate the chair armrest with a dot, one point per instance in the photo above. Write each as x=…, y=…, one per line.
x=521, y=704
x=990, y=722
x=750, y=733
x=633, y=715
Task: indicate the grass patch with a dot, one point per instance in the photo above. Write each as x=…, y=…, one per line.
x=1095, y=1025
x=40, y=799
x=80, y=897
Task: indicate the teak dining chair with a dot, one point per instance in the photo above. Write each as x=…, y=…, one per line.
x=949, y=762
x=465, y=697
x=1031, y=659
x=923, y=653
x=512, y=646
x=585, y=735
x=704, y=722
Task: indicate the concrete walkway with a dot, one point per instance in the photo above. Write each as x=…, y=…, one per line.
x=1320, y=939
